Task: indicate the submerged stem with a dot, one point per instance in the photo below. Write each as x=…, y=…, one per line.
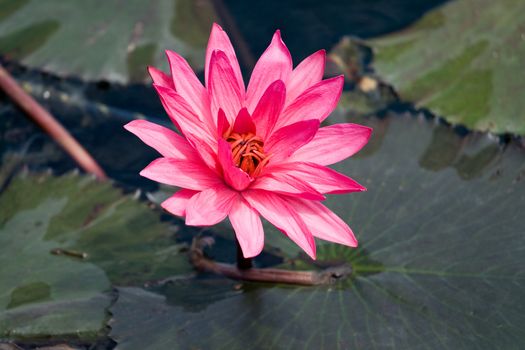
x=49, y=124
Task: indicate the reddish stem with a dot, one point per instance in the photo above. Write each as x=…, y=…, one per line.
x=49, y=124
x=306, y=278
x=242, y=262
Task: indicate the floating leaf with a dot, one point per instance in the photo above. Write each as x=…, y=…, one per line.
x=63, y=241
x=440, y=261
x=464, y=61
x=110, y=40
x=41, y=293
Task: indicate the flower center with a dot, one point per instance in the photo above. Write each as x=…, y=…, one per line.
x=248, y=152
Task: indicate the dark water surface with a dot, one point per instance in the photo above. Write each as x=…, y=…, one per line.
x=311, y=25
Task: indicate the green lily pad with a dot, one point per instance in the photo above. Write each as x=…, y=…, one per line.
x=463, y=61
x=42, y=294
x=86, y=39
x=63, y=242
x=440, y=261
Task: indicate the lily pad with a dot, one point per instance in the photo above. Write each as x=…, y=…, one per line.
x=42, y=294
x=63, y=242
x=87, y=39
x=440, y=261
x=464, y=61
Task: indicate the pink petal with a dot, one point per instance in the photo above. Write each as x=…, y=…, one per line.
x=206, y=153
x=274, y=64
x=219, y=41
x=167, y=142
x=269, y=108
x=176, y=204
x=189, y=87
x=181, y=173
x=287, y=184
x=234, y=176
x=210, y=206
x=248, y=228
x=223, y=126
x=308, y=73
x=160, y=78
x=244, y=123
x=182, y=115
x=285, y=141
x=202, y=140
x=323, y=223
x=282, y=215
x=333, y=143
x=317, y=102
x=321, y=178
x=224, y=90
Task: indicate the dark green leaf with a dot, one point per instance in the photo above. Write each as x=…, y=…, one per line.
x=87, y=39
x=63, y=241
x=463, y=61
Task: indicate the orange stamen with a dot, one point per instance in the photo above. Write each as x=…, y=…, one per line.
x=247, y=152
x=261, y=165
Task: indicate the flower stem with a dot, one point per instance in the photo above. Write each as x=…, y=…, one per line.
x=305, y=278
x=242, y=262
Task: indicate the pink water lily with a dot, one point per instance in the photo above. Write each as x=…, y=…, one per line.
x=258, y=151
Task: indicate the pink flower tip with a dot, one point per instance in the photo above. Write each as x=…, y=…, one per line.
x=217, y=26
x=129, y=126
x=277, y=38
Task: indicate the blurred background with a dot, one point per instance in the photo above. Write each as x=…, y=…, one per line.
x=87, y=264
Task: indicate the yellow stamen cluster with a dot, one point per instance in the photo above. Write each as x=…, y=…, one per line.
x=248, y=152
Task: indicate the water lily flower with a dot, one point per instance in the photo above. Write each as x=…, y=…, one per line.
x=246, y=152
